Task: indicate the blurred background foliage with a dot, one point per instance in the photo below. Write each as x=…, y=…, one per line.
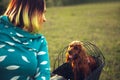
x=51, y=3
x=72, y=2
x=3, y=5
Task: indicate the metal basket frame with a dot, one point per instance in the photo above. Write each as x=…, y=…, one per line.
x=92, y=50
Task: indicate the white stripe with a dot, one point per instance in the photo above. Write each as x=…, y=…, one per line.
x=15, y=78
x=19, y=35
x=12, y=67
x=1, y=46
x=44, y=63
x=41, y=53
x=2, y=58
x=25, y=59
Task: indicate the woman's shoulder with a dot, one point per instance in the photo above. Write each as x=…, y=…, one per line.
x=4, y=20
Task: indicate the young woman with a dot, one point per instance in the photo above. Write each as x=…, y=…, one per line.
x=23, y=50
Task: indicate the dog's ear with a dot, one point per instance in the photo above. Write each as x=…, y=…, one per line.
x=67, y=57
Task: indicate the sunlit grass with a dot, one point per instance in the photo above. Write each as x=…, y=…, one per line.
x=99, y=23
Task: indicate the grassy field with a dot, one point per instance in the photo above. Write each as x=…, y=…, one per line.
x=99, y=23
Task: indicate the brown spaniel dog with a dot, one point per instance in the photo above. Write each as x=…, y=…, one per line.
x=82, y=64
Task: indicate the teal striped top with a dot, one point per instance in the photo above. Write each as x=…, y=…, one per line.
x=23, y=56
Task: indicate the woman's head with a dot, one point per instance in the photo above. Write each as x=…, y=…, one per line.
x=27, y=14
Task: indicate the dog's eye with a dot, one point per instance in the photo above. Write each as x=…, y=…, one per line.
x=76, y=48
x=71, y=45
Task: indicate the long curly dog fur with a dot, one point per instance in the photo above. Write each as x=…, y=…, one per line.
x=81, y=62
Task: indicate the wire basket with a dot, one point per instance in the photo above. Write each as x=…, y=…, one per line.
x=92, y=50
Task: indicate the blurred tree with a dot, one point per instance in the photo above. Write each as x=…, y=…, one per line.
x=57, y=2
x=72, y=2
x=49, y=3
x=3, y=5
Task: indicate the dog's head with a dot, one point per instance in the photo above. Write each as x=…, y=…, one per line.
x=81, y=62
x=74, y=51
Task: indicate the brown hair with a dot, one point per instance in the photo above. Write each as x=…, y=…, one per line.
x=26, y=14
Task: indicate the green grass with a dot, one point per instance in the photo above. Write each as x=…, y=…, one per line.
x=99, y=23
